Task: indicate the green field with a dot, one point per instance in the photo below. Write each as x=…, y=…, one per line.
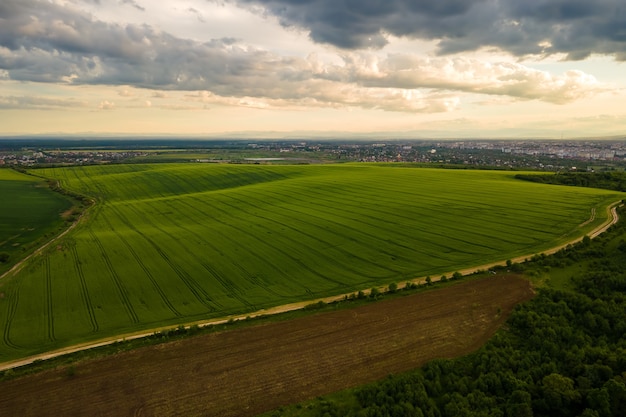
x=175, y=243
x=29, y=213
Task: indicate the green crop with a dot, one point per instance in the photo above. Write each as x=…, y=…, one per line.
x=173, y=243
x=29, y=213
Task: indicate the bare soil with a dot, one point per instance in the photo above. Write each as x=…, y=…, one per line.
x=248, y=371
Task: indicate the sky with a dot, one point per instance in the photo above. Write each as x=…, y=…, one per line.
x=308, y=68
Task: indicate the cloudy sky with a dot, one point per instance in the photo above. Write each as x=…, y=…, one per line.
x=416, y=68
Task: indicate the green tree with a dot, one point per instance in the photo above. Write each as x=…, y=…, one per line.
x=519, y=404
x=559, y=393
x=590, y=413
x=600, y=401
x=617, y=393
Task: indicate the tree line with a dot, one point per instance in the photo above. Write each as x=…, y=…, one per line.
x=614, y=180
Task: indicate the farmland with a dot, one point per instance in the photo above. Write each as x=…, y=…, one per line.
x=30, y=211
x=176, y=243
x=247, y=371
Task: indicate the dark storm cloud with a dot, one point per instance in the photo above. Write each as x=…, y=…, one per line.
x=574, y=27
x=354, y=24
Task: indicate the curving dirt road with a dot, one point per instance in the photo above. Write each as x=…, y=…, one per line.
x=612, y=219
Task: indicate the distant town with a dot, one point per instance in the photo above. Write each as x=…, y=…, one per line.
x=548, y=155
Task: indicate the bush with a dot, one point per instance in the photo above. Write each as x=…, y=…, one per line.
x=315, y=306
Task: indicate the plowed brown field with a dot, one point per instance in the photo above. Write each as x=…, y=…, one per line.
x=247, y=371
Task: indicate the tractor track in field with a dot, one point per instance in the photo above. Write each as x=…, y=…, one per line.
x=286, y=254
x=12, y=307
x=49, y=303
x=145, y=269
x=194, y=287
x=85, y=291
x=116, y=279
x=612, y=219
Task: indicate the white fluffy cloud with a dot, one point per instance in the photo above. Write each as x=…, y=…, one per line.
x=106, y=105
x=470, y=75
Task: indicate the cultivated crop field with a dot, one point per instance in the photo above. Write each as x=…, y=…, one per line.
x=174, y=243
x=28, y=211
